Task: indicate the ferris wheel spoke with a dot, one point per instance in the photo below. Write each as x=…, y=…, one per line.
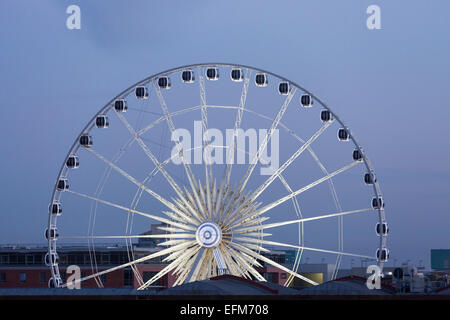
x=155, y=161
x=210, y=270
x=142, y=186
x=128, y=264
x=171, y=229
x=263, y=144
x=160, y=219
x=180, y=260
x=182, y=271
x=173, y=256
x=164, y=117
x=299, y=191
x=196, y=265
x=139, y=236
x=195, y=199
x=296, y=154
x=241, y=269
x=231, y=215
x=280, y=170
x=294, y=199
x=237, y=125
x=230, y=264
x=205, y=139
x=300, y=231
x=241, y=258
x=254, y=222
x=162, y=102
x=274, y=243
x=273, y=263
x=311, y=152
x=284, y=223
x=171, y=242
x=218, y=211
x=202, y=199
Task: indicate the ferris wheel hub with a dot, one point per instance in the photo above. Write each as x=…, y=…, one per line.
x=208, y=235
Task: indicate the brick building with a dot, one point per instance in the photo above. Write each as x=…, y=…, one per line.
x=24, y=267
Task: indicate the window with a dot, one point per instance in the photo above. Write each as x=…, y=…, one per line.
x=2, y=277
x=43, y=277
x=114, y=258
x=147, y=275
x=271, y=276
x=23, y=277
x=4, y=259
x=13, y=259
x=29, y=259
x=127, y=278
x=105, y=258
x=75, y=258
x=38, y=259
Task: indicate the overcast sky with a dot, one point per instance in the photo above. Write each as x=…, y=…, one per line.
x=391, y=86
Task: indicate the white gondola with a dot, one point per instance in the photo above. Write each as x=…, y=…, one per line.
x=343, y=135
x=306, y=101
x=188, y=76
x=382, y=229
x=237, y=75
x=52, y=234
x=212, y=74
x=283, y=88
x=378, y=203
x=54, y=282
x=164, y=82
x=62, y=184
x=86, y=141
x=261, y=80
x=102, y=121
x=120, y=105
x=357, y=155
x=383, y=254
x=326, y=116
x=141, y=92
x=369, y=178
x=51, y=259
x=72, y=162
x=55, y=208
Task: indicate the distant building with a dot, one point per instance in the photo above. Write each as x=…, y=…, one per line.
x=152, y=242
x=350, y=285
x=24, y=267
x=440, y=259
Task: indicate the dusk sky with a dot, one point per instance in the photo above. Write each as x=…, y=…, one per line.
x=391, y=86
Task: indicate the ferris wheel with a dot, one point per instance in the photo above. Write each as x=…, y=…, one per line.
x=233, y=162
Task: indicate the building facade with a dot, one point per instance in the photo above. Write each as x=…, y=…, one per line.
x=24, y=266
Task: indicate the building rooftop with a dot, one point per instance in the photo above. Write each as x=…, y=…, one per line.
x=228, y=285
x=351, y=285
